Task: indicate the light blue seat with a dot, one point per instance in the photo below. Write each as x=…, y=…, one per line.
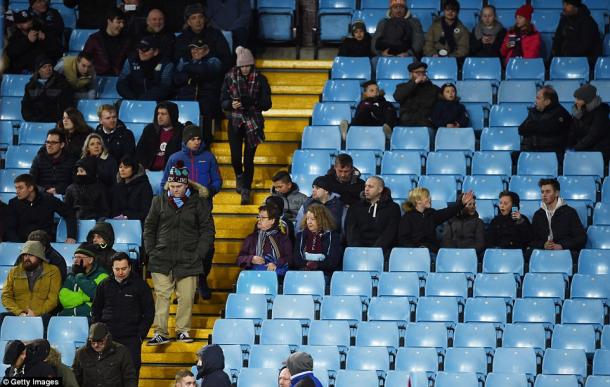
x=89, y=108
x=425, y=15
x=365, y=138
x=325, y=357
x=556, y=381
x=398, y=284
x=598, y=237
x=298, y=307
x=389, y=87
x=410, y=259
x=503, y=261
x=534, y=310
x=525, y=186
x=446, y=163
x=507, y=114
x=393, y=67
x=601, y=362
x=268, y=356
x=10, y=109
x=13, y=85
x=486, y=210
x=441, y=68
x=546, y=4
x=403, y=378
x=590, y=286
x=551, y=261
x=350, y=378
x=248, y=306
x=456, y=261
x=6, y=134
x=495, y=379
x=537, y=163
x=126, y=231
x=78, y=38
x=519, y=68
x=500, y=139
x=66, y=250
x=34, y=133
x=564, y=362
x=546, y=20
x=466, y=360
x=447, y=285
x=9, y=251
x=580, y=188
x=351, y=284
x=437, y=309
x=410, y=138
x=574, y=336
x=368, y=359
x=519, y=335
x=378, y=334
x=565, y=88
x=304, y=181
x=477, y=113
x=475, y=335
x=401, y=162
x=20, y=156
x=288, y=332
x=21, y=328
x=456, y=379
x=257, y=377
x=233, y=357
x=341, y=90
x=137, y=111
x=442, y=188
x=74, y=329
x=233, y=331
x=363, y=259
x=83, y=227
x=331, y=113
x=334, y=17
x=426, y=334
x=321, y=137
x=583, y=164
x=603, y=86
x=155, y=177
x=544, y=285
x=594, y=261
x=370, y=16
x=417, y=360
x=516, y=91
x=7, y=178
x=311, y=162
x=351, y=68
x=341, y=308
x=257, y=282
x=106, y=87
x=601, y=214
x=455, y=139
x=486, y=187
x=602, y=68
x=515, y=360
x=304, y=282
x=276, y=20
x=329, y=332
x=597, y=381
x=365, y=161
x=474, y=91
x=399, y=185
x=570, y=68
x=187, y=110
x=485, y=309
x=391, y=308
x=482, y=69
x=495, y=285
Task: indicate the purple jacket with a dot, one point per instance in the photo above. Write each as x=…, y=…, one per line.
x=248, y=249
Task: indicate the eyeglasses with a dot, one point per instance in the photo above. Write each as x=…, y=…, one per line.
x=52, y=142
x=262, y=217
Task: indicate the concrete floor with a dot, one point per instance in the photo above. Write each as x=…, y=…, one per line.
x=288, y=52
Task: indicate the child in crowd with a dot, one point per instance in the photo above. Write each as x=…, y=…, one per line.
x=358, y=43
x=374, y=110
x=522, y=40
x=288, y=191
x=448, y=111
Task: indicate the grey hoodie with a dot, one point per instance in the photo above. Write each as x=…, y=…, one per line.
x=417, y=39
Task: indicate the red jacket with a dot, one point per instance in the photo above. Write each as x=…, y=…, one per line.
x=530, y=45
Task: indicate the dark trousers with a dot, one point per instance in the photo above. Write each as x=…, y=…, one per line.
x=134, y=345
x=239, y=147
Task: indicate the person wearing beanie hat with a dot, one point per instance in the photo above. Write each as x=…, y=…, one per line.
x=300, y=365
x=589, y=129
x=78, y=290
x=448, y=36
x=358, y=44
x=245, y=95
x=321, y=193
x=210, y=367
x=399, y=33
x=14, y=357
x=522, y=39
x=32, y=285
x=52, y=255
x=86, y=195
x=577, y=33
x=133, y=193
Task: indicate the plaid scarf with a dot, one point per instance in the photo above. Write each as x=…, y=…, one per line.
x=250, y=117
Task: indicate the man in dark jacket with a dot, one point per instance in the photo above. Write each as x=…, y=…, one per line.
x=47, y=94
x=416, y=97
x=119, y=140
x=399, y=33
x=102, y=362
x=466, y=230
x=52, y=167
x=322, y=193
x=547, y=125
x=155, y=27
x=124, y=303
x=210, y=367
x=53, y=256
x=373, y=222
x=345, y=179
x=33, y=210
x=577, y=33
x=178, y=233
x=161, y=138
x=109, y=46
x=590, y=123
x=91, y=13
x=48, y=20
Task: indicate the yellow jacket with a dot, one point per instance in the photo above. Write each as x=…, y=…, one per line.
x=17, y=297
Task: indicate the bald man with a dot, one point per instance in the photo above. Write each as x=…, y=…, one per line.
x=155, y=26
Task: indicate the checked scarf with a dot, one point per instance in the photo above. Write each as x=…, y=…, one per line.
x=250, y=117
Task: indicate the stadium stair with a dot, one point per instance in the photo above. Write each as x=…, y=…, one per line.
x=296, y=86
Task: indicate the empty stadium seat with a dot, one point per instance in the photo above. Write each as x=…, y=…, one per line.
x=83, y=227
x=537, y=163
x=426, y=334
x=73, y=329
x=482, y=68
x=441, y=68
x=491, y=163
x=574, y=336
x=466, y=360
x=268, y=356
x=247, y=306
x=564, y=362
x=551, y=261
x=310, y=162
x=329, y=332
x=410, y=138
x=13, y=85
x=437, y=309
x=455, y=139
x=556, y=381
x=534, y=310
x=442, y=188
x=378, y=334
x=473, y=335
x=475, y=91
x=233, y=357
x=341, y=308
x=500, y=139
x=515, y=360
x=597, y=381
x=325, y=357
x=389, y=87
x=447, y=285
x=7, y=178
x=351, y=68
x=594, y=261
x=598, y=237
x=233, y=331
x=127, y=231
x=276, y=20
x=544, y=285
x=299, y=307
x=503, y=261
x=417, y=359
x=137, y=111
x=477, y=114
x=107, y=88
x=524, y=336
x=304, y=282
x=590, y=286
x=516, y=91
x=370, y=16
x=456, y=379
x=365, y=138
x=21, y=328
x=602, y=68
x=565, y=88
x=601, y=214
x=401, y=162
x=526, y=187
x=334, y=17
x=392, y=308
x=485, y=309
x=350, y=378
x=20, y=156
x=569, y=68
x=601, y=362
x=399, y=185
x=605, y=339
x=393, y=67
x=581, y=188
x=495, y=379
x=365, y=161
x=368, y=359
x=507, y=114
x=257, y=377
x=34, y=133
x=410, y=259
x=351, y=284
x=603, y=85
x=519, y=68
x=78, y=38
x=495, y=285
x=398, y=284
x=89, y=108
x=456, y=261
x=446, y=163
x=257, y=282
x=485, y=187
x=321, y=137
x=279, y=331
x=341, y=90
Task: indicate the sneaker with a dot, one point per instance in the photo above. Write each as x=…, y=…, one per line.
x=387, y=131
x=157, y=339
x=184, y=337
x=343, y=125
x=238, y=184
x=245, y=197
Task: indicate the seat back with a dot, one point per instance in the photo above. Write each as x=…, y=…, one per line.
x=569, y=67
x=321, y=137
x=351, y=68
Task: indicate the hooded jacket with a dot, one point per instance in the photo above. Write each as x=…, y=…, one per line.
x=132, y=197
x=590, y=132
x=104, y=61
x=334, y=205
x=331, y=248
x=293, y=200
x=46, y=102
x=349, y=191
x=530, y=46
x=134, y=83
x=112, y=367
x=547, y=130
x=77, y=292
x=178, y=239
x=375, y=111
x=485, y=50
x=399, y=35
x=418, y=229
x=435, y=39
x=202, y=167
x=373, y=225
x=506, y=233
x=105, y=251
x=86, y=196
x=578, y=35
x=417, y=102
x=448, y=112
x=352, y=47
x=148, y=145
x=119, y=142
x=212, y=369
x=53, y=172
x=198, y=78
x=35, y=354
x=565, y=227
x=465, y=232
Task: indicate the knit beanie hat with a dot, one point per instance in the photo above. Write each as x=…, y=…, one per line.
x=398, y=2
x=178, y=173
x=244, y=56
x=42, y=60
x=34, y=248
x=189, y=132
x=586, y=92
x=576, y=3
x=13, y=349
x=41, y=236
x=88, y=249
x=22, y=16
x=299, y=362
x=192, y=9
x=323, y=182
x=525, y=11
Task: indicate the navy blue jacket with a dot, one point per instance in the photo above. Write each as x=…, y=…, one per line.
x=133, y=83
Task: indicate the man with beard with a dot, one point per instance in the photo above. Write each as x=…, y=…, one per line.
x=32, y=286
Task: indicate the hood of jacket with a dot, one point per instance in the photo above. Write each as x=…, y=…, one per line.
x=139, y=173
x=172, y=109
x=212, y=359
x=389, y=12
x=195, y=188
x=560, y=203
x=36, y=351
x=105, y=230
x=386, y=196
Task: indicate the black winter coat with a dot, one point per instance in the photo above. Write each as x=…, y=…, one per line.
x=331, y=248
x=56, y=259
x=127, y=307
x=506, y=233
x=51, y=24
x=89, y=201
x=418, y=229
x=216, y=42
x=482, y=50
x=105, y=252
x=568, y=231
x=91, y=13
x=592, y=131
x=132, y=197
x=46, y=102
x=578, y=35
x=75, y=142
x=35, y=354
x=212, y=370
x=465, y=232
x=375, y=112
x=48, y=172
x=120, y=142
x=106, y=60
x=112, y=368
x=356, y=48
x=449, y=112
x=107, y=169
x=136, y=83
x=22, y=53
x=546, y=131
x=350, y=191
x=416, y=102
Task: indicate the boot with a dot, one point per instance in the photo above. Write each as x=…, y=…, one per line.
x=204, y=290
x=239, y=182
x=245, y=197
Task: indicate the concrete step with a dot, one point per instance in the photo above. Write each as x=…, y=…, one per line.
x=157, y=382
x=262, y=173
x=275, y=153
x=230, y=197
x=284, y=78
x=199, y=334
x=292, y=101
x=279, y=125
x=295, y=65
x=236, y=209
x=228, y=246
x=173, y=348
x=186, y=359
x=288, y=113
x=269, y=136
x=159, y=372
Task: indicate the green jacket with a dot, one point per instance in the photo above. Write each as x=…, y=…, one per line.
x=177, y=239
x=76, y=294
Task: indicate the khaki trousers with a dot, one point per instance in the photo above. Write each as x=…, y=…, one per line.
x=185, y=292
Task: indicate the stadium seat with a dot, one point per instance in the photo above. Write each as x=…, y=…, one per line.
x=426, y=334
x=13, y=85
x=268, y=356
x=233, y=357
x=454, y=139
x=20, y=156
x=74, y=329
x=155, y=177
x=276, y=20
x=392, y=308
x=363, y=259
x=351, y=378
x=89, y=108
x=351, y=284
x=247, y=306
x=9, y=251
x=524, y=336
x=417, y=360
x=564, y=362
x=233, y=331
x=342, y=90
x=299, y=307
x=442, y=68
x=425, y=15
x=556, y=381
x=601, y=214
x=410, y=138
x=537, y=163
x=447, y=285
x=603, y=85
x=368, y=359
x=590, y=286
x=546, y=20
x=351, y=68
x=602, y=68
x=378, y=334
x=10, y=109
x=545, y=4
x=485, y=187
x=257, y=282
x=334, y=17
x=569, y=67
x=304, y=282
x=507, y=114
x=565, y=88
x=6, y=134
x=544, y=285
x=578, y=188
x=325, y=357
x=495, y=379
x=495, y=285
x=78, y=38
x=534, y=310
x=370, y=16
x=288, y=332
x=310, y=162
x=398, y=284
x=401, y=162
x=486, y=210
x=473, y=335
x=466, y=360
x=321, y=137
x=482, y=68
x=531, y=69
x=574, y=336
x=21, y=328
x=393, y=67
x=485, y=309
x=107, y=87
x=516, y=91
x=137, y=111
x=188, y=111
x=594, y=261
x=477, y=114
x=605, y=339
x=410, y=259
x=257, y=377
x=399, y=186
x=456, y=379
x=34, y=133
x=601, y=362
x=492, y=163
x=597, y=381
x=437, y=309
x=341, y=308
x=456, y=261
x=526, y=187
x=474, y=91
x=503, y=261
x=365, y=138
x=500, y=139
x=127, y=231
x=446, y=163
x=388, y=86
x=442, y=188
x=551, y=261
x=7, y=178
x=515, y=360
x=365, y=161
x=329, y=332
x=598, y=237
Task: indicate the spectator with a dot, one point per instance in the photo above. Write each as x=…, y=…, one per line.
x=102, y=235
x=174, y=262
x=63, y=371
x=285, y=226
x=399, y=33
x=509, y=229
x=125, y=304
x=466, y=230
x=345, y=179
x=106, y=165
x=147, y=75
x=210, y=367
x=556, y=225
x=154, y=26
x=33, y=209
x=32, y=285
x=589, y=128
x=161, y=138
x=109, y=46
x=47, y=94
x=48, y=20
x=233, y=16
x=51, y=255
x=521, y=40
x=203, y=165
x=373, y=110
x=373, y=222
x=358, y=44
x=91, y=13
x=135, y=15
x=267, y=248
x=416, y=97
x=78, y=290
x=86, y=196
x=322, y=193
x=547, y=125
x=27, y=43
x=79, y=73
x=448, y=111
x=292, y=199
x=577, y=33
x=104, y=362
x=448, y=36
x=417, y=227
x=75, y=129
x=300, y=365
x=283, y=379
x=14, y=357
x=185, y=378
x=52, y=167
x=31, y=362
x=119, y=140
x=132, y=194
x=318, y=244
x=245, y=95
x=487, y=36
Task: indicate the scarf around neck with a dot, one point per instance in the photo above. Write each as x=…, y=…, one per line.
x=448, y=34
x=248, y=116
x=260, y=242
x=481, y=30
x=178, y=202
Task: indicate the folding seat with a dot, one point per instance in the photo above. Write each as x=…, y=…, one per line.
x=21, y=328
x=437, y=309
x=441, y=68
x=9, y=251
x=397, y=309
x=20, y=156
x=606, y=190
x=89, y=108
x=233, y=358
x=544, y=285
x=601, y=214
x=257, y=282
x=268, y=356
x=605, y=341
x=546, y=4
x=389, y=86
x=503, y=261
x=495, y=379
x=578, y=188
x=393, y=67
x=519, y=68
x=363, y=259
x=583, y=164
x=299, y=307
x=83, y=227
x=490, y=163
x=350, y=378
x=515, y=360
x=329, y=332
x=546, y=21
x=247, y=306
x=410, y=138
x=342, y=90
x=365, y=138
x=456, y=261
x=556, y=381
x=410, y=259
x=574, y=336
x=495, y=285
x=311, y=162
x=10, y=109
x=72, y=329
x=370, y=16
x=127, y=231
x=425, y=15
x=351, y=284
x=341, y=308
x=304, y=282
x=525, y=186
x=325, y=357
x=398, y=284
x=534, y=310
x=594, y=261
x=551, y=261
x=257, y=377
x=7, y=178
x=569, y=67
x=590, y=286
x=565, y=88
x=456, y=379
x=334, y=18
x=466, y=360
x=486, y=210
x=276, y=20
x=524, y=336
x=583, y=311
x=475, y=334
x=233, y=331
x=401, y=162
x=564, y=362
x=597, y=381
x=598, y=237
x=365, y=161
x=137, y=111
x=417, y=360
x=426, y=334
x=500, y=139
x=603, y=85
x=455, y=139
x=537, y=163
x=368, y=359
x=601, y=362
x=602, y=68
x=447, y=285
x=6, y=134
x=477, y=113
x=475, y=91
x=351, y=68
x=288, y=332
x=106, y=87
x=378, y=334
x=13, y=85
x=442, y=188
x=516, y=91
x=155, y=177
x=507, y=114
x=482, y=68
x=485, y=309
x=446, y=163
x=78, y=38
x=321, y=137
x=403, y=378
x=331, y=113
x=399, y=185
